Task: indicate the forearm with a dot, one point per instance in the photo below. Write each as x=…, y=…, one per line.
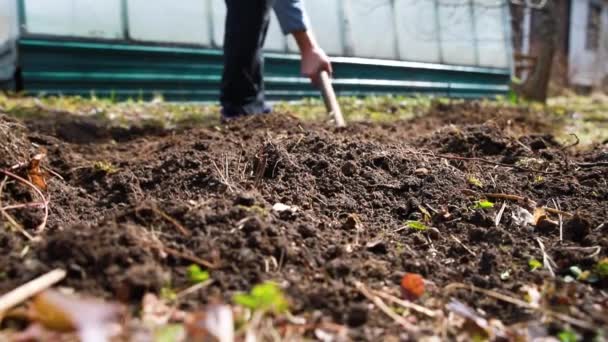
x=306, y=41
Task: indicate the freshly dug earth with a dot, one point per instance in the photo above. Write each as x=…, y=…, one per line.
x=130, y=195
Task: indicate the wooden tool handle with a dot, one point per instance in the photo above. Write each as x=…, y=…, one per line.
x=329, y=96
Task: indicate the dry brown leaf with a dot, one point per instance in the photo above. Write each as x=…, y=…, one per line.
x=35, y=173
x=90, y=318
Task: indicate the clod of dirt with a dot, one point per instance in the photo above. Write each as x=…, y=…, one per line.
x=488, y=263
x=377, y=247
x=349, y=168
x=577, y=228
x=245, y=199
x=357, y=315
x=350, y=223
x=253, y=224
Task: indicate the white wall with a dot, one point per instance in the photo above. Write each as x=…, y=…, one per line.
x=586, y=68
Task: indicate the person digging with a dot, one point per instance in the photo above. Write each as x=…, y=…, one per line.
x=247, y=21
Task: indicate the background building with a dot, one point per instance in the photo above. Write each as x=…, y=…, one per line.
x=458, y=48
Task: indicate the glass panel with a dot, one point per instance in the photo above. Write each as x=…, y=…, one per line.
x=372, y=28
x=490, y=26
x=81, y=18
x=183, y=21
x=456, y=32
x=417, y=31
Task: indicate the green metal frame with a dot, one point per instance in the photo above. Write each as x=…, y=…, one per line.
x=53, y=66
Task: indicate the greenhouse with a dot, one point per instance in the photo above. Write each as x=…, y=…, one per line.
x=137, y=48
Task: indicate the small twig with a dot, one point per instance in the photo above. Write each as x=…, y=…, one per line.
x=573, y=144
x=561, y=221
x=596, y=250
x=499, y=215
x=223, y=177
x=31, y=288
x=42, y=225
x=406, y=304
x=384, y=308
x=485, y=161
x=37, y=205
x=546, y=259
x=183, y=230
x=8, y=217
x=518, y=302
x=463, y=245
x=192, y=258
x=193, y=288
x=588, y=165
x=49, y=170
x=558, y=212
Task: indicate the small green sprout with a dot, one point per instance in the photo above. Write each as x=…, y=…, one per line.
x=534, y=264
x=168, y=294
x=264, y=297
x=483, y=204
x=197, y=275
x=105, y=167
x=475, y=181
x=567, y=336
x=602, y=268
x=416, y=225
x=539, y=179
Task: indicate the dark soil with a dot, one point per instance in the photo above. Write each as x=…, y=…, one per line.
x=352, y=191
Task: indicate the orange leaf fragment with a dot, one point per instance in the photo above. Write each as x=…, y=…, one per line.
x=412, y=286
x=35, y=173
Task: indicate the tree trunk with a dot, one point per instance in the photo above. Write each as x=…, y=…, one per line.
x=536, y=86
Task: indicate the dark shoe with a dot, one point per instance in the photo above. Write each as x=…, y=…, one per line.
x=230, y=114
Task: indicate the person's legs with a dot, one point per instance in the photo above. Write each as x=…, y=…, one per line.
x=242, y=90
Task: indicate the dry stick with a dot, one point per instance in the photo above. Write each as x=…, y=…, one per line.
x=512, y=300
x=499, y=215
x=54, y=173
x=524, y=199
x=42, y=225
x=188, y=257
x=183, y=230
x=406, y=304
x=31, y=288
x=587, y=165
x=546, y=259
x=193, y=289
x=463, y=245
x=485, y=161
x=8, y=217
x=37, y=205
x=561, y=221
x=384, y=308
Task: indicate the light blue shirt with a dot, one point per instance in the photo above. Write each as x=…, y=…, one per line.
x=292, y=15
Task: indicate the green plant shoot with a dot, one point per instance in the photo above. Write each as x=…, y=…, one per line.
x=483, y=204
x=534, y=264
x=475, y=181
x=197, y=275
x=602, y=268
x=416, y=225
x=265, y=297
x=567, y=336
